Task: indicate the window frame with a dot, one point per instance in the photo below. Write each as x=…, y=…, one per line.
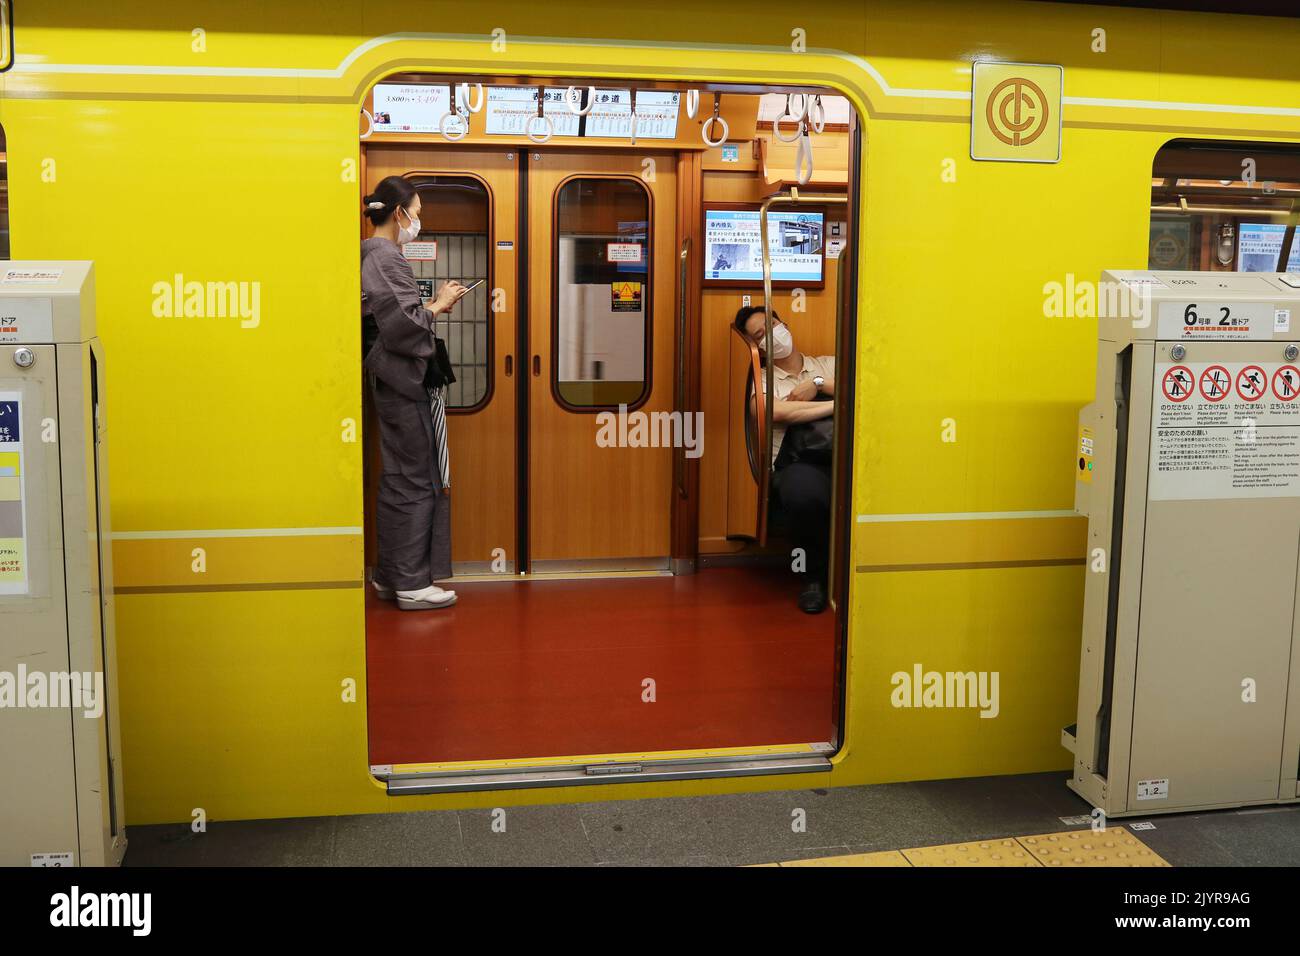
x=420, y=180
x=647, y=299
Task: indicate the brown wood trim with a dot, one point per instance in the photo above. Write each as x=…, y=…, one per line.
x=553, y=373
x=685, y=534
x=827, y=128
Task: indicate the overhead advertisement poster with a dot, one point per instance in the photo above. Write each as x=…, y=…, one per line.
x=13, y=547
x=409, y=108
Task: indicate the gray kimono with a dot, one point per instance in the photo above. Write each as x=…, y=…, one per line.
x=413, y=511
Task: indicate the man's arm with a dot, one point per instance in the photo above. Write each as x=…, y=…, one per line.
x=792, y=413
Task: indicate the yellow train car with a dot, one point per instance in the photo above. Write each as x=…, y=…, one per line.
x=946, y=180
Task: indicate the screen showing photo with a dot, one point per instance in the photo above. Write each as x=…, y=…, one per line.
x=1258, y=245
x=732, y=250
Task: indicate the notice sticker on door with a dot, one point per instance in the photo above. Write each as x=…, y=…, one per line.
x=623, y=252
x=1225, y=430
x=13, y=516
x=421, y=251
x=52, y=859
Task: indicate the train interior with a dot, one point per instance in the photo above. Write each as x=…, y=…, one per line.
x=626, y=588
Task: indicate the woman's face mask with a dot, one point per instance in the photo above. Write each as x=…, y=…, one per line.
x=782, y=342
x=408, y=232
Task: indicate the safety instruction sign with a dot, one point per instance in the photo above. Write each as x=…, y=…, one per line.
x=625, y=297
x=13, y=548
x=1225, y=430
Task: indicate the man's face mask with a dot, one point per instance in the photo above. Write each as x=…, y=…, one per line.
x=782, y=341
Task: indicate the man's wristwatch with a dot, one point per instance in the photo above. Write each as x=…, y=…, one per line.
x=819, y=381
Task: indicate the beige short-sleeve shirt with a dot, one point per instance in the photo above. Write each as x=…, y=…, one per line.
x=784, y=382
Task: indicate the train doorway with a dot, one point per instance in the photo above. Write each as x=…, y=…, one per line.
x=620, y=613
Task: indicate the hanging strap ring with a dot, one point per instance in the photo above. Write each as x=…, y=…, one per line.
x=797, y=120
x=692, y=103
x=817, y=115
x=548, y=129
x=461, y=132
x=370, y=123
x=704, y=131
x=574, y=100
x=715, y=118
x=462, y=96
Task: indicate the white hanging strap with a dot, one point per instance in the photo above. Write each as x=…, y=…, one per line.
x=633, y=123
x=816, y=115
x=803, y=157
x=692, y=103
x=547, y=127
x=796, y=119
x=574, y=100
x=370, y=123
x=463, y=101
x=454, y=113
x=717, y=119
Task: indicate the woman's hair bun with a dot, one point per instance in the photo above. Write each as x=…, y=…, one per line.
x=392, y=191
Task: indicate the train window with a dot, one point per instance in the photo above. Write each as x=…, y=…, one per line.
x=601, y=329
x=456, y=244
x=1225, y=206
x=4, y=196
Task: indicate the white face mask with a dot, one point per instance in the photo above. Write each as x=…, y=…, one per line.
x=407, y=233
x=782, y=342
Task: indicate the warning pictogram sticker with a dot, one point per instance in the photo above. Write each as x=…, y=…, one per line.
x=1177, y=383
x=1252, y=383
x=1215, y=383
x=1286, y=383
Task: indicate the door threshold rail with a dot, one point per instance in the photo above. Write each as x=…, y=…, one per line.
x=813, y=759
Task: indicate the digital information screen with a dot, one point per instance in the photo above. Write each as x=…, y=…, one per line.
x=732, y=252
x=1258, y=244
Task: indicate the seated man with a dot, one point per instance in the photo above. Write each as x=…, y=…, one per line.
x=802, y=489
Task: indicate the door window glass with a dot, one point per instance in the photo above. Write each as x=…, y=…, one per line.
x=455, y=243
x=602, y=278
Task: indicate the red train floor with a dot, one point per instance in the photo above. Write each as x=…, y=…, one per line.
x=555, y=668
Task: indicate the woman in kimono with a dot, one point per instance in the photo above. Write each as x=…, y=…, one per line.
x=413, y=511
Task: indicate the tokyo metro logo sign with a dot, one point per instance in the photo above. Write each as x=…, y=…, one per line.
x=1016, y=112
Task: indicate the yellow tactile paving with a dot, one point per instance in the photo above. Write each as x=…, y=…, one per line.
x=882, y=858
x=973, y=853
x=1114, y=846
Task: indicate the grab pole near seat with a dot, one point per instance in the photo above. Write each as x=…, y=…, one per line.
x=791, y=196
